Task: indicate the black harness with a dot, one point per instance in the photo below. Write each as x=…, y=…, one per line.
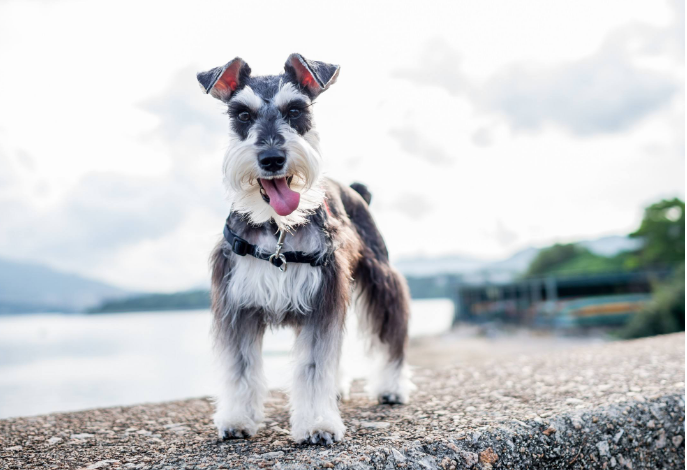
x=279, y=259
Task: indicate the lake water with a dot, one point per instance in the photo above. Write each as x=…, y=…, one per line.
x=51, y=363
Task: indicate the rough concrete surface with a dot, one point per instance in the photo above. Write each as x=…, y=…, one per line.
x=616, y=405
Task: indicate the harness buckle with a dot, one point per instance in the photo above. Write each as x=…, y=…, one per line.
x=277, y=254
x=240, y=246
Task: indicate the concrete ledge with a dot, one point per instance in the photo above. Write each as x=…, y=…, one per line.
x=617, y=405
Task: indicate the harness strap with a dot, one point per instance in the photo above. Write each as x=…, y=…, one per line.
x=242, y=248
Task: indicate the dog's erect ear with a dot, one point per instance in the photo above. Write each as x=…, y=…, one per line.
x=312, y=75
x=222, y=82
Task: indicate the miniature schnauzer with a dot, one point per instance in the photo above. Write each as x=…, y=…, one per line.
x=298, y=250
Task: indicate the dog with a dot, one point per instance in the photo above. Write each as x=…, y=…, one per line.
x=298, y=250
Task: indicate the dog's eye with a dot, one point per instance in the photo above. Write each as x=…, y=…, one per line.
x=244, y=116
x=294, y=113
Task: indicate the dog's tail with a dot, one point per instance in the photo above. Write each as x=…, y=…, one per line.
x=363, y=191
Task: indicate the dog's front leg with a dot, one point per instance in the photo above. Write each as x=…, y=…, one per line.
x=243, y=388
x=315, y=417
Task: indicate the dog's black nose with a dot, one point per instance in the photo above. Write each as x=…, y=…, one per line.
x=272, y=159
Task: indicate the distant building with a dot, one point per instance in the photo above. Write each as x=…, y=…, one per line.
x=557, y=301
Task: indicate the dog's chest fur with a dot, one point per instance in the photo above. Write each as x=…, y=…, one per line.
x=257, y=283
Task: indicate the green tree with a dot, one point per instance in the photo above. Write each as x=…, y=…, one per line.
x=666, y=311
x=548, y=259
x=662, y=232
x=663, y=246
x=573, y=259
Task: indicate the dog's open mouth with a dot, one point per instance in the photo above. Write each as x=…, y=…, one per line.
x=277, y=193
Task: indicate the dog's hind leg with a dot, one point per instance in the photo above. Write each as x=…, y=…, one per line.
x=383, y=309
x=243, y=388
x=343, y=384
x=383, y=302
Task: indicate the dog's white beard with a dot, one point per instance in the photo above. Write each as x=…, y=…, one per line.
x=241, y=173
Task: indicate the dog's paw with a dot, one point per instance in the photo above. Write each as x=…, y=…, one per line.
x=322, y=438
x=233, y=433
x=391, y=399
x=392, y=386
x=320, y=432
x=235, y=427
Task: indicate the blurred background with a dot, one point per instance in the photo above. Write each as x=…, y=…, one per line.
x=537, y=147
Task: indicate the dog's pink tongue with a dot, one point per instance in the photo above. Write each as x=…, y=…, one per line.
x=282, y=199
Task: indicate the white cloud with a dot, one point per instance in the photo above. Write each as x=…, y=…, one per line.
x=117, y=226
x=110, y=155
x=602, y=93
x=412, y=142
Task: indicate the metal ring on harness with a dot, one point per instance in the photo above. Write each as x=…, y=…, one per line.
x=282, y=258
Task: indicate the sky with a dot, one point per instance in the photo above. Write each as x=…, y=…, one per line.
x=481, y=128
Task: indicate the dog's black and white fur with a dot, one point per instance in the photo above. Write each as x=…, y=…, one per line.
x=273, y=138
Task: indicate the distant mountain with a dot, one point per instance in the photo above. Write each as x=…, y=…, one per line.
x=503, y=269
x=451, y=264
x=517, y=263
x=611, y=246
x=456, y=264
x=189, y=300
x=28, y=287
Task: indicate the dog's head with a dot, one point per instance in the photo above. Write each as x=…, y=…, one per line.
x=272, y=166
